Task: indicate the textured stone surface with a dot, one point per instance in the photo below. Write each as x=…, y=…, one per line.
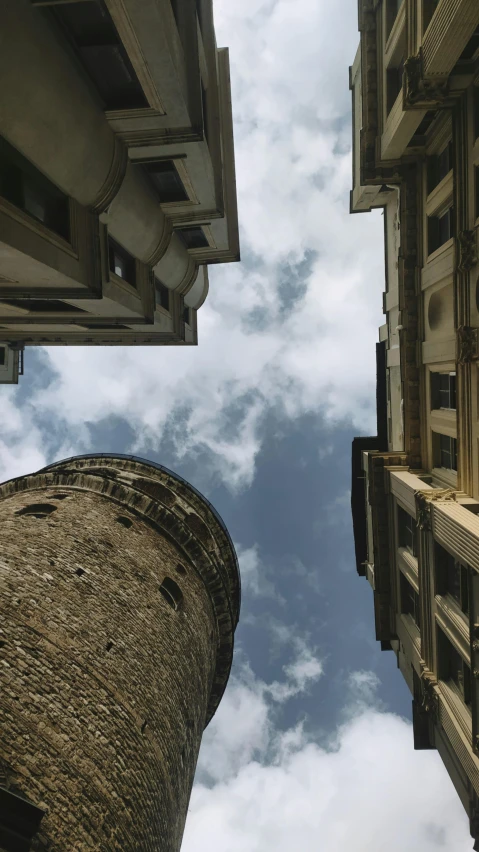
x=105, y=688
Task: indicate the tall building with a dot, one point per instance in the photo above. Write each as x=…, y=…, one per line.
x=415, y=490
x=117, y=178
x=119, y=594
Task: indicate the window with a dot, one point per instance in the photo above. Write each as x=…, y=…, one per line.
x=392, y=9
x=3, y=355
x=443, y=391
x=38, y=510
x=167, y=182
x=90, y=28
x=428, y=9
x=451, y=577
x=171, y=592
x=476, y=111
x=28, y=189
x=438, y=166
x=193, y=237
x=409, y=600
x=187, y=316
x=122, y=263
x=452, y=668
x=407, y=531
x=447, y=452
x=162, y=295
x=440, y=229
x=44, y=306
x=393, y=84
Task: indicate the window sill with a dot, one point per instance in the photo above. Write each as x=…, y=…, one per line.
x=441, y=195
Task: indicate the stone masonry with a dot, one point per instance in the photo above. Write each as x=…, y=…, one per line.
x=119, y=594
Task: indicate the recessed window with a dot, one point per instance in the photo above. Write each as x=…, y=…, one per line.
x=124, y=521
x=122, y=263
x=167, y=182
x=407, y=531
x=471, y=46
x=393, y=84
x=392, y=9
x=440, y=229
x=3, y=356
x=451, y=577
x=28, y=189
x=187, y=315
x=409, y=600
x=446, y=451
x=476, y=111
x=452, y=668
x=438, y=166
x=443, y=391
x=38, y=510
x=162, y=295
x=171, y=592
x=193, y=237
x=44, y=306
x=90, y=29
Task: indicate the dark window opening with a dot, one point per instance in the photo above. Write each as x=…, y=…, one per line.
x=59, y=496
x=471, y=46
x=90, y=29
x=428, y=9
x=79, y=572
x=409, y=600
x=392, y=9
x=393, y=84
x=440, y=229
x=453, y=668
x=438, y=166
x=419, y=136
x=124, y=521
x=476, y=111
x=193, y=237
x=187, y=316
x=451, y=577
x=407, y=531
x=181, y=569
x=162, y=295
x=3, y=355
x=109, y=646
x=446, y=455
x=44, y=306
x=38, y=510
x=28, y=189
x=167, y=182
x=122, y=263
x=171, y=592
x=443, y=391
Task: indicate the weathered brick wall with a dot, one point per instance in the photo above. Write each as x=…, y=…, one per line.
x=104, y=686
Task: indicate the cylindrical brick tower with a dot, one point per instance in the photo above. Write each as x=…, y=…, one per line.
x=119, y=597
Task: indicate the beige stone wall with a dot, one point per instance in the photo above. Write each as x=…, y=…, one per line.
x=105, y=687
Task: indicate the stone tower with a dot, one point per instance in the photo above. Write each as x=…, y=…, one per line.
x=119, y=597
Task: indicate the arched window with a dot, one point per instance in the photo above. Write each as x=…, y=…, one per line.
x=171, y=592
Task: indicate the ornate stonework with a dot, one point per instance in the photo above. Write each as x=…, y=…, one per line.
x=430, y=695
x=423, y=504
x=467, y=344
x=467, y=250
x=419, y=92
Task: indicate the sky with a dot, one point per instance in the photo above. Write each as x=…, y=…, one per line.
x=311, y=748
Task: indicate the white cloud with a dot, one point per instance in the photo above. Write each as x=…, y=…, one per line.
x=259, y=789
x=292, y=329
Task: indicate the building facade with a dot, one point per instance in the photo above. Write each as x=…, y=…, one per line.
x=119, y=593
x=415, y=489
x=117, y=179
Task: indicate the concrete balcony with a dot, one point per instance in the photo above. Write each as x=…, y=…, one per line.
x=449, y=31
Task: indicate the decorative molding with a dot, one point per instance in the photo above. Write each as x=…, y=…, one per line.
x=430, y=694
x=114, y=178
x=424, y=499
x=467, y=250
x=418, y=91
x=467, y=344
